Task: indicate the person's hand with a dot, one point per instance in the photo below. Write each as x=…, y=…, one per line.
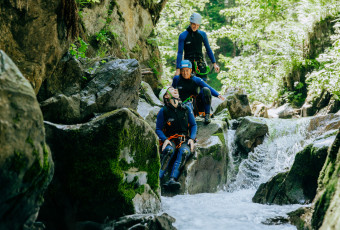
x=221, y=97
x=216, y=67
x=178, y=71
x=166, y=143
x=191, y=143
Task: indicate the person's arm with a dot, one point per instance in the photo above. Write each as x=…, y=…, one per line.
x=209, y=51
x=207, y=47
x=202, y=84
x=193, y=130
x=159, y=125
x=181, y=39
x=192, y=124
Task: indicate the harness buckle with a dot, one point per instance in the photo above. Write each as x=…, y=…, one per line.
x=181, y=138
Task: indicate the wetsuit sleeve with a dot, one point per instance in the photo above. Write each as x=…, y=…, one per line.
x=159, y=125
x=207, y=47
x=180, y=49
x=175, y=81
x=202, y=84
x=192, y=123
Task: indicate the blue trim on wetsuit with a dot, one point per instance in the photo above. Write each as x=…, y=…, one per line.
x=198, y=81
x=181, y=40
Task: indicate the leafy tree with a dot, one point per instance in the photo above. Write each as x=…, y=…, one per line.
x=261, y=41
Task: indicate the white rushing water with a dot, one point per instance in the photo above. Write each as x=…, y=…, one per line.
x=223, y=210
x=233, y=208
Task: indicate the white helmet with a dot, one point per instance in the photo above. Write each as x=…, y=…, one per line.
x=163, y=92
x=196, y=18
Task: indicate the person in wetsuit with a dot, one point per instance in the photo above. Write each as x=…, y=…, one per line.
x=194, y=91
x=173, y=130
x=191, y=41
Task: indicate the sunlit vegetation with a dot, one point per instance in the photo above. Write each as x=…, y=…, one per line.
x=257, y=43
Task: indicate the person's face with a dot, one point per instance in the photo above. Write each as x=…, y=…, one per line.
x=173, y=92
x=186, y=73
x=194, y=26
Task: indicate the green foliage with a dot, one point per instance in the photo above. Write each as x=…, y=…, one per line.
x=173, y=21
x=78, y=49
x=83, y=3
x=326, y=75
x=268, y=37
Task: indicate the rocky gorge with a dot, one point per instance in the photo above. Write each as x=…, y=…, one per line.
x=77, y=140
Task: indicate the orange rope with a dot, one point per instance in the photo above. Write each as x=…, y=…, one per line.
x=176, y=136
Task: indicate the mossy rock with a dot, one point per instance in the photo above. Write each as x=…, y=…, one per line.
x=26, y=166
x=326, y=214
x=93, y=162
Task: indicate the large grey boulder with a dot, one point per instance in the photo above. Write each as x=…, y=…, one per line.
x=67, y=78
x=237, y=103
x=148, y=94
x=26, y=166
x=108, y=167
x=300, y=183
x=113, y=85
x=250, y=133
x=313, y=103
x=148, y=112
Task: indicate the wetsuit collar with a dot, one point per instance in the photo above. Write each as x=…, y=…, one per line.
x=190, y=30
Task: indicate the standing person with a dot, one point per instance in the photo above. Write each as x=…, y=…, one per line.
x=173, y=130
x=191, y=42
x=195, y=90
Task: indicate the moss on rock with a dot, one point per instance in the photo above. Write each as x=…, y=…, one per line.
x=94, y=157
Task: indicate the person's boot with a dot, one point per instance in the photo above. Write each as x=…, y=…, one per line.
x=172, y=184
x=207, y=119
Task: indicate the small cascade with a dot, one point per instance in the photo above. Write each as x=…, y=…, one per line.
x=276, y=154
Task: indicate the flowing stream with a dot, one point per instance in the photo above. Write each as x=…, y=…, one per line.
x=233, y=208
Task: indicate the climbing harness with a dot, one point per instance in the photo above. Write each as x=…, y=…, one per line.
x=180, y=138
x=198, y=71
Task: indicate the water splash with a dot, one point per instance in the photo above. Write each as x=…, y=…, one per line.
x=276, y=154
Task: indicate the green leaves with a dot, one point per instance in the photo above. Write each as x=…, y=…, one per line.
x=270, y=35
x=78, y=50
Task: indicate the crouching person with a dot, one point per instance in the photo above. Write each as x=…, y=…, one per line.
x=176, y=128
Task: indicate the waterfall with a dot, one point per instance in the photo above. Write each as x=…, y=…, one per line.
x=276, y=153
x=233, y=208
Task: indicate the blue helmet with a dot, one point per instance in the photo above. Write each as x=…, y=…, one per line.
x=196, y=18
x=186, y=64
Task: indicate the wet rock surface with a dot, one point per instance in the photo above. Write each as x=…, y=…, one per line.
x=236, y=100
x=147, y=93
x=113, y=85
x=150, y=222
x=26, y=165
x=326, y=213
x=284, y=111
x=298, y=186
x=250, y=133
x=107, y=167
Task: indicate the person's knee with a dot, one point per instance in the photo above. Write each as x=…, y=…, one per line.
x=206, y=95
x=185, y=151
x=206, y=91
